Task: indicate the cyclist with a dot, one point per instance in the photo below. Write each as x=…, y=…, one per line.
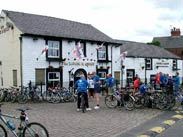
x=110, y=82
x=82, y=85
x=136, y=85
x=96, y=80
x=176, y=81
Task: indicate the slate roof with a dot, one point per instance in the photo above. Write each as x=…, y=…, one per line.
x=136, y=49
x=170, y=42
x=51, y=26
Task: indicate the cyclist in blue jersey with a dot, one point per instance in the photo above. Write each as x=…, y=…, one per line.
x=82, y=85
x=96, y=80
x=110, y=83
x=176, y=81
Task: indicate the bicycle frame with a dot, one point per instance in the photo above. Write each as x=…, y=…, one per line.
x=23, y=123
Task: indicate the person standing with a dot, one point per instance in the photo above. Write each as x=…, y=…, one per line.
x=176, y=81
x=96, y=80
x=157, y=81
x=136, y=85
x=82, y=85
x=91, y=87
x=110, y=82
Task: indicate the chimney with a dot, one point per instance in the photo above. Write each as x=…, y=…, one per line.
x=175, y=32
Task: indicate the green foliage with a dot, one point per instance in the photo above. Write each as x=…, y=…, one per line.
x=155, y=43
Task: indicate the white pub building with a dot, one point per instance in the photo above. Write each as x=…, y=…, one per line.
x=51, y=51
x=146, y=61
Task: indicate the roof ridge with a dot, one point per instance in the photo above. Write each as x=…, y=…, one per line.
x=6, y=11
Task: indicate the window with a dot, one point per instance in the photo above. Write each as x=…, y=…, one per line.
x=102, y=74
x=15, y=78
x=174, y=67
x=53, y=79
x=148, y=63
x=102, y=54
x=40, y=76
x=53, y=49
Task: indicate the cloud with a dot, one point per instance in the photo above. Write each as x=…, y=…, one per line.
x=120, y=19
x=167, y=4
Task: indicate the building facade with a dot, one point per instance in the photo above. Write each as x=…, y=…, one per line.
x=146, y=61
x=51, y=51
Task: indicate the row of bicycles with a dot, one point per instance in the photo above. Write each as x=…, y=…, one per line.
x=164, y=99
x=24, y=94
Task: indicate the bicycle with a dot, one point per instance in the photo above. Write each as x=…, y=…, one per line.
x=120, y=98
x=25, y=129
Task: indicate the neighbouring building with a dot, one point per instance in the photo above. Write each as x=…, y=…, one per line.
x=52, y=51
x=173, y=43
x=146, y=61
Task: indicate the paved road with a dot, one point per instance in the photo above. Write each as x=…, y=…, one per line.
x=173, y=131
x=62, y=120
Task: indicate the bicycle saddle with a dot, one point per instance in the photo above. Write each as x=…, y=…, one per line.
x=23, y=109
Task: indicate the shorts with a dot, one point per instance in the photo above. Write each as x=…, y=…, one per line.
x=110, y=91
x=91, y=91
x=96, y=90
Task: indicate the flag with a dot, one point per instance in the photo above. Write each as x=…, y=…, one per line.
x=45, y=50
x=78, y=51
x=100, y=46
x=123, y=55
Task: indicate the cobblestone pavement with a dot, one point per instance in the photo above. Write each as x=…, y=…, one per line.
x=62, y=120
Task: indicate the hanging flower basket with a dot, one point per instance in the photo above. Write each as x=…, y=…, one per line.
x=61, y=67
x=51, y=67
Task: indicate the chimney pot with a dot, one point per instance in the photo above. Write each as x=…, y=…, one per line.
x=175, y=32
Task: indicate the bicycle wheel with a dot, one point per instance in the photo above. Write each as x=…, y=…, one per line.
x=56, y=98
x=13, y=98
x=22, y=99
x=35, y=129
x=3, y=132
x=129, y=102
x=139, y=101
x=111, y=101
x=163, y=103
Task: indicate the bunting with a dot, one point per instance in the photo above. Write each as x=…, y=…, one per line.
x=123, y=55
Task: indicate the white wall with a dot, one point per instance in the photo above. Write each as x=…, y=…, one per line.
x=32, y=49
x=137, y=63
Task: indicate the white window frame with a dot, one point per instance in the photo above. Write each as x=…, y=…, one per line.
x=148, y=62
x=174, y=63
x=102, y=74
x=57, y=75
x=53, y=49
x=102, y=55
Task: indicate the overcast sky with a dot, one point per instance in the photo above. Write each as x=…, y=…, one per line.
x=133, y=20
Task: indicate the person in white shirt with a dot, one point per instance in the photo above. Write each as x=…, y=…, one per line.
x=91, y=87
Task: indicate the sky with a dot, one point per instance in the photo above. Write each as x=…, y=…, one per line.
x=132, y=20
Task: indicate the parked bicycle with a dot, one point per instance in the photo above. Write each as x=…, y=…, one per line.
x=120, y=97
x=25, y=128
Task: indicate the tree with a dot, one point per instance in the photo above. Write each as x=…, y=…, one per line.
x=155, y=43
